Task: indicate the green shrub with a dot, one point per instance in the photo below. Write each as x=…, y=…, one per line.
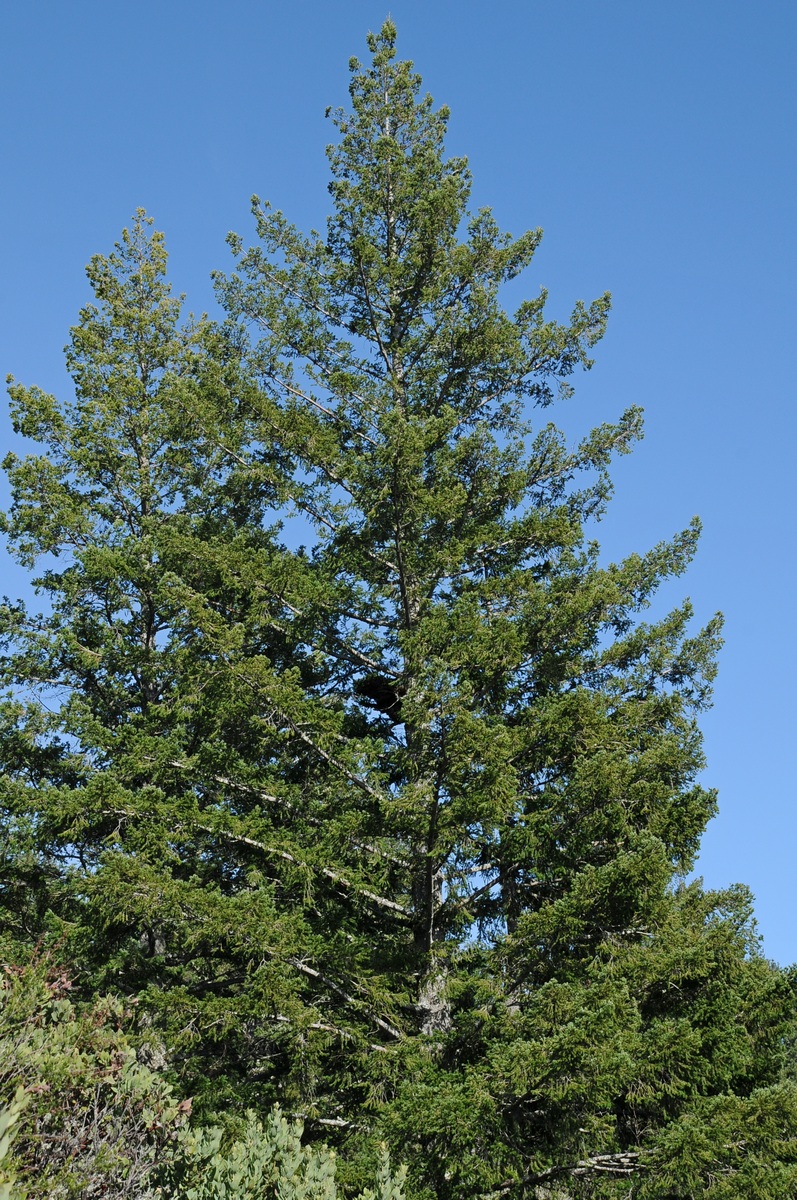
x=266, y=1162
x=96, y=1120
x=9, y=1116
x=92, y=1117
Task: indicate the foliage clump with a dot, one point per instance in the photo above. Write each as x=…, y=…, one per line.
x=266, y=1161
x=92, y=1113
x=91, y=1118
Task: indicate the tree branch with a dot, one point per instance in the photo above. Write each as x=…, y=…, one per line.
x=624, y=1163
x=312, y=973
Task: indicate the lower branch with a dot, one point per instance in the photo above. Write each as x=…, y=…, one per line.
x=622, y=1164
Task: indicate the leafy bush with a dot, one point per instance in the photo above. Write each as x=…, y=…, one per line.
x=266, y=1162
x=91, y=1118
x=9, y=1116
x=97, y=1120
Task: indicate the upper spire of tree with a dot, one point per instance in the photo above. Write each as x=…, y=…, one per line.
x=398, y=202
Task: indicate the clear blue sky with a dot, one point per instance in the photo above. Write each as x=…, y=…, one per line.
x=655, y=144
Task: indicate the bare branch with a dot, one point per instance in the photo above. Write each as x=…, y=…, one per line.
x=624, y=1163
x=312, y=973
x=372, y=316
x=328, y=412
x=327, y=872
x=357, y=780
x=254, y=844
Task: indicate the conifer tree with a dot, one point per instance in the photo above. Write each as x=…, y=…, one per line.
x=393, y=829
x=535, y=740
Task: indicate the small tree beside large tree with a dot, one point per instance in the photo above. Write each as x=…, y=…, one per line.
x=393, y=829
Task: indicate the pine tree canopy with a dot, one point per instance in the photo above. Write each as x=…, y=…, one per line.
x=392, y=828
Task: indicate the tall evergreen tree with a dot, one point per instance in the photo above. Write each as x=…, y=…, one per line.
x=393, y=830
x=537, y=748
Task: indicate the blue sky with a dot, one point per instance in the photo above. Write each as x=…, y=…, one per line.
x=654, y=143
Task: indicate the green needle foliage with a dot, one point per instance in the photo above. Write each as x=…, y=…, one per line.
x=392, y=829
